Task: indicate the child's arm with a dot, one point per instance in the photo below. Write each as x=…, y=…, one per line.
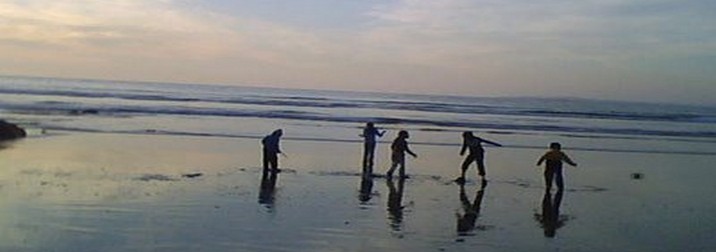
x=567, y=160
x=541, y=159
x=491, y=142
x=464, y=147
x=409, y=151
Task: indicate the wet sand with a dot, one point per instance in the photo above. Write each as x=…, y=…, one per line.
x=120, y=192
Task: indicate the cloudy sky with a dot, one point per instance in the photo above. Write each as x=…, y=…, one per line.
x=646, y=50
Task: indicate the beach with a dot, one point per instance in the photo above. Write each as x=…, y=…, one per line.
x=277, y=126
x=164, y=167
x=111, y=192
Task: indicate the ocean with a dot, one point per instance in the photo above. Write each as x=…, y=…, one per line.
x=136, y=166
x=80, y=105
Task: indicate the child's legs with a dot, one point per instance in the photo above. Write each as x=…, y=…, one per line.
x=559, y=180
x=368, y=169
x=397, y=159
x=480, y=160
x=273, y=162
x=371, y=156
x=480, y=166
x=402, y=168
x=368, y=153
x=393, y=165
x=367, y=162
x=265, y=159
x=466, y=164
x=548, y=177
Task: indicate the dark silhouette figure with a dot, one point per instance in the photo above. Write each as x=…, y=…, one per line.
x=466, y=221
x=477, y=154
x=366, y=188
x=370, y=133
x=399, y=148
x=553, y=166
x=9, y=131
x=550, y=219
x=271, y=150
x=395, y=203
x=267, y=190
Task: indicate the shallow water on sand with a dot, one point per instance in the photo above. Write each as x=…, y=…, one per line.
x=109, y=192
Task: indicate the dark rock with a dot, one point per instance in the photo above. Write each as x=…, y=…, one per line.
x=10, y=131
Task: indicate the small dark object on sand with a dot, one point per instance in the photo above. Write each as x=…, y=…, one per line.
x=637, y=175
x=192, y=175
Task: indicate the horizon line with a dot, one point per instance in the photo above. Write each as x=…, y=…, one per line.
x=240, y=85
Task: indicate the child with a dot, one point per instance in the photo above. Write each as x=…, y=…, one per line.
x=399, y=148
x=369, y=135
x=271, y=150
x=477, y=154
x=553, y=167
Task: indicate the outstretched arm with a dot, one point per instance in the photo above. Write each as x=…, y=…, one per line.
x=492, y=143
x=541, y=159
x=567, y=160
x=380, y=133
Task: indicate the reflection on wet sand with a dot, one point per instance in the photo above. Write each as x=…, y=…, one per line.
x=267, y=190
x=366, y=188
x=471, y=210
x=550, y=219
x=395, y=203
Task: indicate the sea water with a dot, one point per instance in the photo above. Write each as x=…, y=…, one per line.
x=102, y=171
x=88, y=105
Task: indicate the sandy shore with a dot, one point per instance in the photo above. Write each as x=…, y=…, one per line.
x=115, y=192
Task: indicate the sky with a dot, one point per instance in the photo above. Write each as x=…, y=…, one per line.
x=638, y=50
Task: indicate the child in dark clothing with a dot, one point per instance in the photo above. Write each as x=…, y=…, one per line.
x=553, y=166
x=370, y=133
x=271, y=150
x=477, y=154
x=399, y=148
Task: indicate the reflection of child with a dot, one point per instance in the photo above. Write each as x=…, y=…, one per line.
x=477, y=154
x=399, y=148
x=369, y=135
x=466, y=221
x=271, y=150
x=553, y=166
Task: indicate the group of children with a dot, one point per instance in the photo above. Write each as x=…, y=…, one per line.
x=553, y=158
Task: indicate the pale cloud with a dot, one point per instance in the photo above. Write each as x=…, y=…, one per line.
x=550, y=46
x=491, y=47
x=119, y=38
x=583, y=30
x=106, y=26
x=147, y=26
